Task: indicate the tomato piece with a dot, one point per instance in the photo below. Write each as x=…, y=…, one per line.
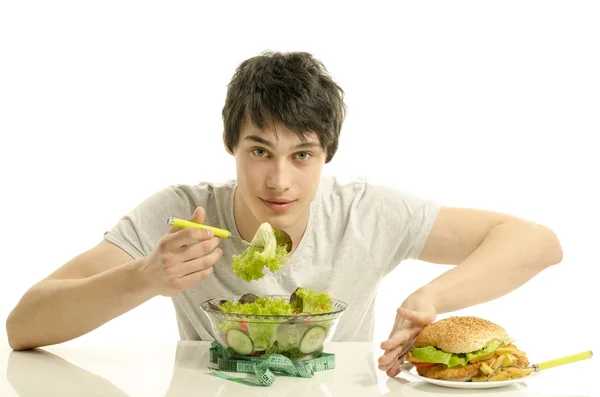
x=424, y=365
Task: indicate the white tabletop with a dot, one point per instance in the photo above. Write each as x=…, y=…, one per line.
x=180, y=369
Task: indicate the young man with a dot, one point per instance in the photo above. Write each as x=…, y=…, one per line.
x=282, y=119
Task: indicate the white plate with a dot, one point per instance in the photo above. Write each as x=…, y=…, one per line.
x=412, y=372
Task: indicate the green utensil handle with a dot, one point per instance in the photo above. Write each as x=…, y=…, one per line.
x=564, y=360
x=181, y=223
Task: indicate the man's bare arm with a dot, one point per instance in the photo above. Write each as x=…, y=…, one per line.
x=85, y=293
x=495, y=254
x=105, y=282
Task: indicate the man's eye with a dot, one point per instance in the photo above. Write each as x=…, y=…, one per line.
x=303, y=155
x=259, y=152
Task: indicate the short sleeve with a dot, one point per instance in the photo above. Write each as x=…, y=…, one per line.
x=138, y=231
x=394, y=224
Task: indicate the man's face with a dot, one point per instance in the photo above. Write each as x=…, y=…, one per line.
x=278, y=173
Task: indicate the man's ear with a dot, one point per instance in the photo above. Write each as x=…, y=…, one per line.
x=225, y=144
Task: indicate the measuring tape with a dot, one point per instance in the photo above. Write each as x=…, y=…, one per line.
x=263, y=368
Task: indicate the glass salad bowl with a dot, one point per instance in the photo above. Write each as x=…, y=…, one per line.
x=297, y=336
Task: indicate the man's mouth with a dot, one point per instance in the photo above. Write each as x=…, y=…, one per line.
x=277, y=204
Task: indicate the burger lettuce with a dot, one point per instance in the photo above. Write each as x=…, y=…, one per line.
x=431, y=354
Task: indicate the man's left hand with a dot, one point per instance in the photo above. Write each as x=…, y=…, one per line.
x=411, y=318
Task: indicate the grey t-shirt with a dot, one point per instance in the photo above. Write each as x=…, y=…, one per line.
x=356, y=234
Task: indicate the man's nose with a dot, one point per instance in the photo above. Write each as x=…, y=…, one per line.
x=279, y=177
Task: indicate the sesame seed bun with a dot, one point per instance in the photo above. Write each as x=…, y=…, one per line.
x=460, y=334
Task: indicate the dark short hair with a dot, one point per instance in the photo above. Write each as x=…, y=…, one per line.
x=293, y=89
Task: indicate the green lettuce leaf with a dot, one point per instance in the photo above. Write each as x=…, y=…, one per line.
x=262, y=306
x=262, y=334
x=266, y=251
x=431, y=354
x=311, y=301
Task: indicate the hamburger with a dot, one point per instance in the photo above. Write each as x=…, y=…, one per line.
x=467, y=349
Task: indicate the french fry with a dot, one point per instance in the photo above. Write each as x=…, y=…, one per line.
x=502, y=360
x=518, y=372
x=485, y=369
x=505, y=350
x=500, y=375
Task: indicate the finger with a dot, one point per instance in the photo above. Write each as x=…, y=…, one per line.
x=198, y=250
x=396, y=339
x=198, y=215
x=395, y=346
x=417, y=318
x=410, y=338
x=175, y=243
x=196, y=277
x=397, y=324
x=407, y=348
x=395, y=368
x=393, y=371
x=187, y=237
x=390, y=344
x=196, y=265
x=388, y=359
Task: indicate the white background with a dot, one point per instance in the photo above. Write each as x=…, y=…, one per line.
x=493, y=105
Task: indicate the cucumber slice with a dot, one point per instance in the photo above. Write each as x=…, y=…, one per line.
x=312, y=339
x=239, y=342
x=289, y=335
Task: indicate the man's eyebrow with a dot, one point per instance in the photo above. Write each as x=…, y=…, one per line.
x=306, y=145
x=256, y=138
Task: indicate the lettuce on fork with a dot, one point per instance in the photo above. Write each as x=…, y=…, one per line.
x=268, y=250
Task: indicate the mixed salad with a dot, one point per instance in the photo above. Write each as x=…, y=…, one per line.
x=269, y=248
x=278, y=330
x=292, y=337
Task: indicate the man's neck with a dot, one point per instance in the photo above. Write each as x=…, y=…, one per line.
x=247, y=224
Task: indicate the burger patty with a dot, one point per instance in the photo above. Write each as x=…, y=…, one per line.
x=441, y=371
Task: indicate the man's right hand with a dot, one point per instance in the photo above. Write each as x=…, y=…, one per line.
x=182, y=258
